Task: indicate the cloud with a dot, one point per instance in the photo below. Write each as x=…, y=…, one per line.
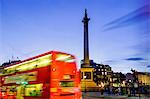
x=148, y=66
x=137, y=16
x=110, y=62
x=135, y=59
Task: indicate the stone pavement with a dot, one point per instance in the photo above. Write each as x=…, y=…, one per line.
x=96, y=95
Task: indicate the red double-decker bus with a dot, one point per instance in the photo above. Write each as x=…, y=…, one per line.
x=52, y=75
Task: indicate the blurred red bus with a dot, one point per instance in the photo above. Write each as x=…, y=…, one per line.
x=52, y=75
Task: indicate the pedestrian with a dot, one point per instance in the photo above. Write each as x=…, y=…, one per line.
x=119, y=90
x=111, y=90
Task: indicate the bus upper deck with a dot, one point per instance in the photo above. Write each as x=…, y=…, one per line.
x=51, y=75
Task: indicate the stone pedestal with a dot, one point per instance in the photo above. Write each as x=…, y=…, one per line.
x=87, y=83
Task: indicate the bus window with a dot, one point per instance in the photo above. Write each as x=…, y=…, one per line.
x=33, y=90
x=65, y=58
x=66, y=83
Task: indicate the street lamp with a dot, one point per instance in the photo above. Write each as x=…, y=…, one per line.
x=85, y=83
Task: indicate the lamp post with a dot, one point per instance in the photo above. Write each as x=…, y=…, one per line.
x=85, y=84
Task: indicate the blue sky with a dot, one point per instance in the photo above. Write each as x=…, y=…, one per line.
x=118, y=31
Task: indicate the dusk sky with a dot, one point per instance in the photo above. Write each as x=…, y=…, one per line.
x=119, y=32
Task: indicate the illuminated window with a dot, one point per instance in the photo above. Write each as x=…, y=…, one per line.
x=44, y=61
x=33, y=90
x=9, y=89
x=29, y=65
x=66, y=83
x=94, y=73
x=20, y=78
x=65, y=57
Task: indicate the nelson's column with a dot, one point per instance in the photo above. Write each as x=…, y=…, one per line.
x=87, y=82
